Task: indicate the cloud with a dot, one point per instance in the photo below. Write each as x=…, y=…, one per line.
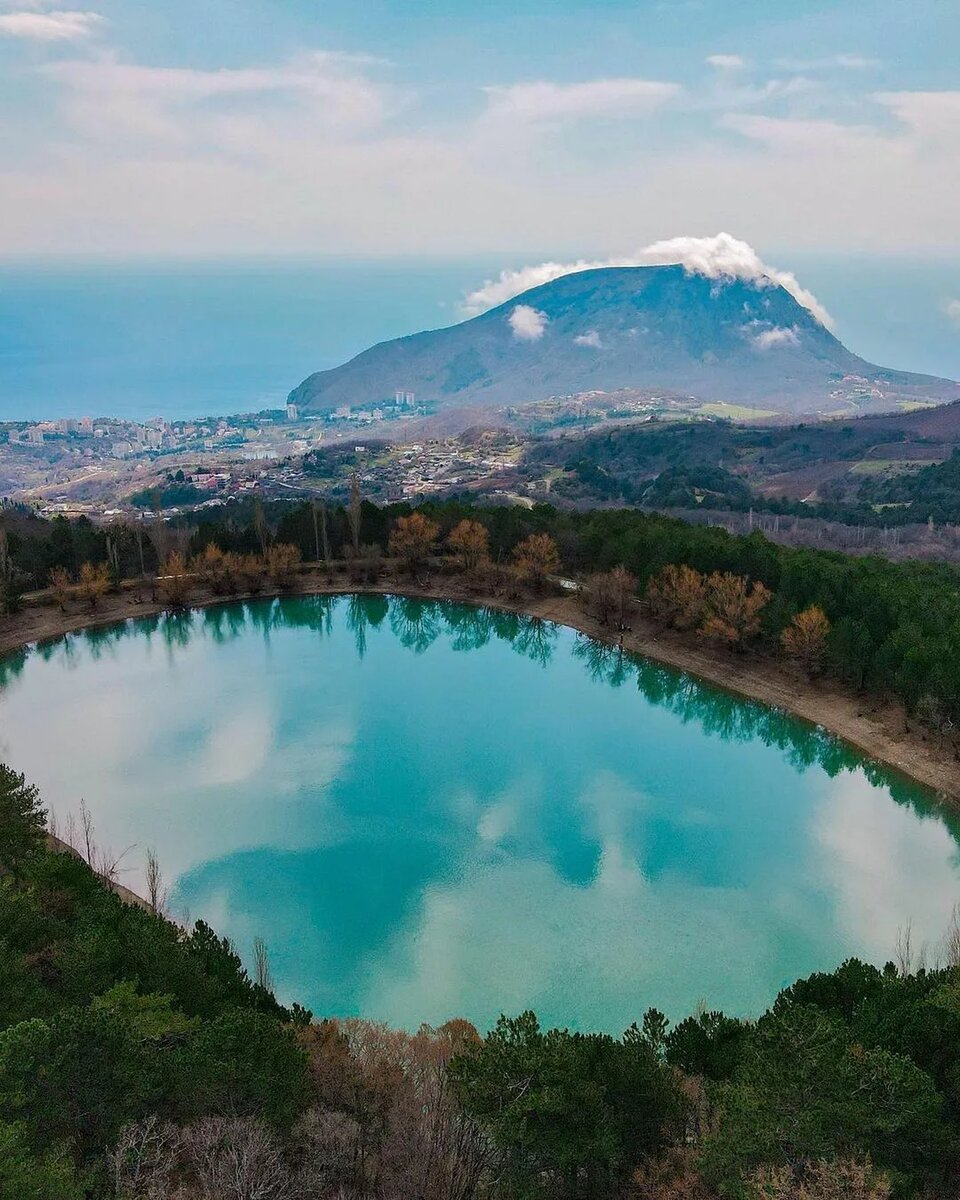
x=49, y=26
x=591, y=338
x=546, y=101
x=719, y=257
x=528, y=324
x=952, y=309
x=845, y=62
x=725, y=62
x=778, y=336
x=333, y=81
x=885, y=868
x=794, y=137
x=220, y=118
x=933, y=115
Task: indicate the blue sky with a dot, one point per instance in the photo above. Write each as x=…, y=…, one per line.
x=522, y=129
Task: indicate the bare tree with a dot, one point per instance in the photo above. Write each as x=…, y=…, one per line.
x=951, y=940
x=70, y=833
x=261, y=964
x=260, y=524
x=316, y=530
x=903, y=949
x=86, y=825
x=156, y=891
x=355, y=511
x=144, y=1160
x=325, y=534
x=236, y=1159
x=107, y=864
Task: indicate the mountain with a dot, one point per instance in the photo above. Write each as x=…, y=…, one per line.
x=729, y=340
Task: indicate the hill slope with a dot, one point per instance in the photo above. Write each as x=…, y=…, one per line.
x=642, y=327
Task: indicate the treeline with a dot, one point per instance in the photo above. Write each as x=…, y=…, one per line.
x=138, y=1061
x=888, y=627
x=31, y=548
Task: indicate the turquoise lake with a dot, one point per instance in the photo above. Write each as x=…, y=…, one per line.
x=427, y=810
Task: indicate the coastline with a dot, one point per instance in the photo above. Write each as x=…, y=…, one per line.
x=876, y=728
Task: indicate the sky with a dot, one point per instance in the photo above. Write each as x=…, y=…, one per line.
x=527, y=129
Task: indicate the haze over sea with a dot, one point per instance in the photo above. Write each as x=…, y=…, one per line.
x=182, y=339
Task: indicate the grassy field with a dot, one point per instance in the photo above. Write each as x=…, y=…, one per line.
x=886, y=466
x=734, y=412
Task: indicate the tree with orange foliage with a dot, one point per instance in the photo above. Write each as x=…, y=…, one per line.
x=412, y=540
x=60, y=587
x=470, y=542
x=678, y=595
x=282, y=561
x=820, y=1179
x=94, y=582
x=174, y=581
x=805, y=638
x=537, y=557
x=211, y=566
x=733, y=608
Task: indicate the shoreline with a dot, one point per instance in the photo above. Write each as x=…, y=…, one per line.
x=877, y=729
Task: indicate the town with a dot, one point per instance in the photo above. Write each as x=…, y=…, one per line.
x=105, y=466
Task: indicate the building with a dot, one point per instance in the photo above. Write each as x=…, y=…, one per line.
x=293, y=413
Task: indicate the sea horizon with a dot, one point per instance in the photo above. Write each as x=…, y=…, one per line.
x=184, y=338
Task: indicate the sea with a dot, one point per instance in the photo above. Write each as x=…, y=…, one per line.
x=185, y=339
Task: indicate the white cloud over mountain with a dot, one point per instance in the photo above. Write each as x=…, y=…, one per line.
x=591, y=338
x=718, y=257
x=528, y=324
x=779, y=336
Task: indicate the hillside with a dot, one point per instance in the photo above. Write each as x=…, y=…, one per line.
x=732, y=340
x=897, y=469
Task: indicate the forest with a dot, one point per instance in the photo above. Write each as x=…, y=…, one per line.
x=734, y=467
x=890, y=628
x=139, y=1061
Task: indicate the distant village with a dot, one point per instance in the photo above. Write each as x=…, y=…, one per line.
x=93, y=466
x=156, y=469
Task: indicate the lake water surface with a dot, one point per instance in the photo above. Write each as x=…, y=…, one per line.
x=427, y=810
